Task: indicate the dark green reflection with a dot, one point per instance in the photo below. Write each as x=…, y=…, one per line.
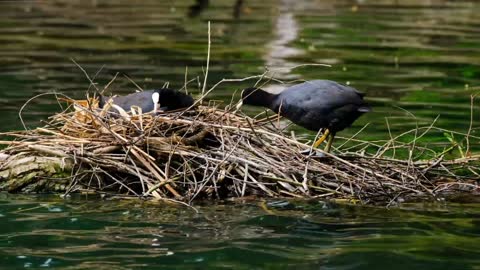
x=84, y=232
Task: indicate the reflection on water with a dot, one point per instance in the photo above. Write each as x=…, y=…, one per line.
x=279, y=50
x=416, y=58
x=124, y=235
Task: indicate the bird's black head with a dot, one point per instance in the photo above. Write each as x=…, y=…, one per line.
x=170, y=99
x=257, y=97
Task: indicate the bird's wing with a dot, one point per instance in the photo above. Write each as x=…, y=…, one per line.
x=140, y=99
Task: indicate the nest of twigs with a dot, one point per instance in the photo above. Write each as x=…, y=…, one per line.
x=207, y=152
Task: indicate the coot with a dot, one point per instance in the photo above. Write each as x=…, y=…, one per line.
x=314, y=105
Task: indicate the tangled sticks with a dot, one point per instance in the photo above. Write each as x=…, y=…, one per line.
x=207, y=152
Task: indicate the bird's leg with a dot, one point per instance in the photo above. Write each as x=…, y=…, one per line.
x=329, y=142
x=319, y=141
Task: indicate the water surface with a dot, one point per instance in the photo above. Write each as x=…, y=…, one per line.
x=82, y=233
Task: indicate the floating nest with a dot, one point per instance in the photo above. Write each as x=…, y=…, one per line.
x=210, y=152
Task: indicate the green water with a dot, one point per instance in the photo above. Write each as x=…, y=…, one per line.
x=88, y=233
x=415, y=60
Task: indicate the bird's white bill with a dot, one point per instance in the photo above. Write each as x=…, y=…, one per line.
x=239, y=105
x=156, y=103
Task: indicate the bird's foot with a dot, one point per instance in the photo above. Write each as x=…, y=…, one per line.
x=313, y=152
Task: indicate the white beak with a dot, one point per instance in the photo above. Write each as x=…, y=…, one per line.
x=155, y=99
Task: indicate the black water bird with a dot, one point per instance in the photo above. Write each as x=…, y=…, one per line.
x=164, y=99
x=314, y=105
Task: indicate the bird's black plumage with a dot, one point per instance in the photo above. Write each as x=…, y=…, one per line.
x=169, y=99
x=313, y=104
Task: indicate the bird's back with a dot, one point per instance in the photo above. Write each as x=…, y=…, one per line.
x=321, y=104
x=141, y=99
x=321, y=93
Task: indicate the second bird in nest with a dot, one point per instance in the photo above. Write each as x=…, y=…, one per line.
x=164, y=99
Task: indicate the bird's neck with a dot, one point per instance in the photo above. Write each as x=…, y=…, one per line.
x=264, y=99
